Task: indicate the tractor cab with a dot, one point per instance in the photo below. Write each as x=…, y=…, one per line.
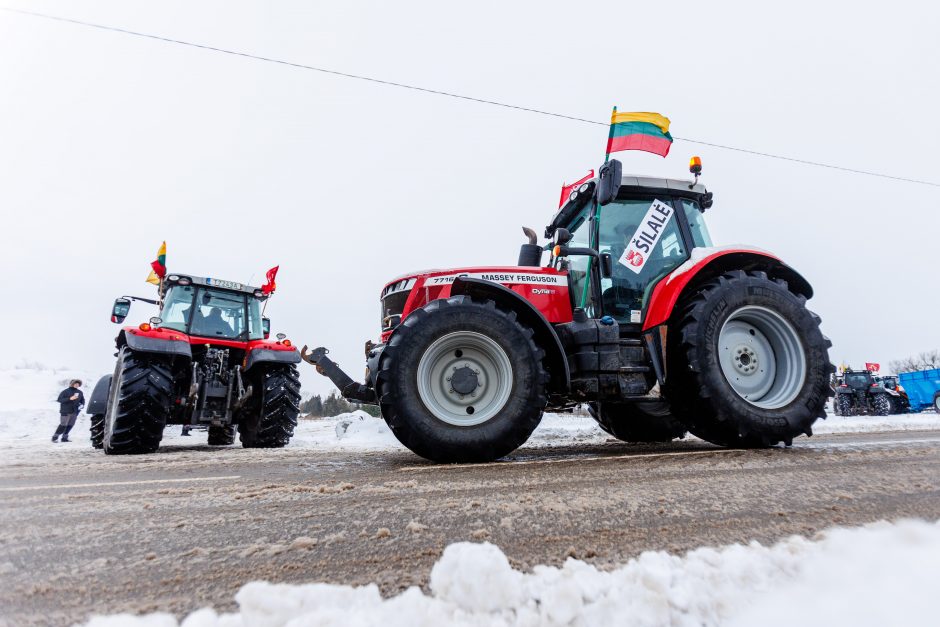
x=204, y=307
x=647, y=229
x=212, y=308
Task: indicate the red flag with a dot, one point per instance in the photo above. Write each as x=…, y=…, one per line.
x=872, y=367
x=270, y=285
x=567, y=189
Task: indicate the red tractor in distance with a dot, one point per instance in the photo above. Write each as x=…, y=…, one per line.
x=635, y=314
x=205, y=360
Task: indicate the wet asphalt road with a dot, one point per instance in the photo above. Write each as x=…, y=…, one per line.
x=186, y=527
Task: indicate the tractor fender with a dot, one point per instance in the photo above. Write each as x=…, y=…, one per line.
x=264, y=355
x=707, y=263
x=545, y=336
x=98, y=403
x=146, y=342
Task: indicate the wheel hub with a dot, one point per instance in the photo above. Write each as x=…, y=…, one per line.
x=745, y=359
x=464, y=380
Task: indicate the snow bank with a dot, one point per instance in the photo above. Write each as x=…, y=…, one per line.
x=360, y=431
x=865, y=424
x=877, y=575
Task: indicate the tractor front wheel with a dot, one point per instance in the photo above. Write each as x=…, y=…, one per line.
x=749, y=366
x=632, y=423
x=462, y=381
x=269, y=418
x=138, y=405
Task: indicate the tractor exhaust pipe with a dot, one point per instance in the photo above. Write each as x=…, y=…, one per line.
x=530, y=254
x=328, y=368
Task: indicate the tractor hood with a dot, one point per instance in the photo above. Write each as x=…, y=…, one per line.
x=506, y=275
x=545, y=288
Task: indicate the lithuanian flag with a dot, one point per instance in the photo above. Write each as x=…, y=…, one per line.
x=639, y=131
x=158, y=267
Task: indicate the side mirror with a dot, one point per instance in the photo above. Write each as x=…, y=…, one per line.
x=608, y=183
x=563, y=236
x=122, y=307
x=607, y=266
x=266, y=327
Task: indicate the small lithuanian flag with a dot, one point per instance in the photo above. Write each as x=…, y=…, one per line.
x=158, y=267
x=639, y=131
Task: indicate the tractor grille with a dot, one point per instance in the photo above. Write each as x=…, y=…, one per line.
x=393, y=301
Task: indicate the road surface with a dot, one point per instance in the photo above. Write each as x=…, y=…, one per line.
x=186, y=527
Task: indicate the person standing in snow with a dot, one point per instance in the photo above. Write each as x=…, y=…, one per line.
x=71, y=400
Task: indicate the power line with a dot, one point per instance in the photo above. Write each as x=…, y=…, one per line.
x=448, y=94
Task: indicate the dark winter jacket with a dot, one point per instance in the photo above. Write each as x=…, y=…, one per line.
x=68, y=407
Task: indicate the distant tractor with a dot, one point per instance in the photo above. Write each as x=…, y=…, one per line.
x=859, y=393
x=900, y=402
x=206, y=360
x=634, y=314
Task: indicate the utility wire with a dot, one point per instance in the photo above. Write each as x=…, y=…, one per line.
x=451, y=94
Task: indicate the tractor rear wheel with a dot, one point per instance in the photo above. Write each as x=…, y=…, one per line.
x=139, y=404
x=269, y=418
x=844, y=405
x=97, y=430
x=462, y=381
x=221, y=435
x=750, y=366
x=882, y=405
x=632, y=423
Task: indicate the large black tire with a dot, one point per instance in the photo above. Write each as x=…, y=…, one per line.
x=269, y=418
x=138, y=405
x=97, y=430
x=882, y=405
x=701, y=394
x=222, y=435
x=631, y=423
x=509, y=375
x=845, y=406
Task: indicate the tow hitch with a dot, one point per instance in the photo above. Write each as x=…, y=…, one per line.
x=328, y=368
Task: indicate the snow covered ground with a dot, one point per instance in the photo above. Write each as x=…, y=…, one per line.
x=29, y=415
x=882, y=574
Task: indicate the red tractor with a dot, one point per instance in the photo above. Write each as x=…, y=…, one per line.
x=206, y=360
x=635, y=314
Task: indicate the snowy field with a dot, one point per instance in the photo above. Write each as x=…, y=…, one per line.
x=882, y=574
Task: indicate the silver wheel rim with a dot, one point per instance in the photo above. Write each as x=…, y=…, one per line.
x=761, y=357
x=464, y=378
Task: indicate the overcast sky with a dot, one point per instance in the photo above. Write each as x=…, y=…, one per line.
x=110, y=144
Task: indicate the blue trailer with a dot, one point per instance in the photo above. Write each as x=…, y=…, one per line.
x=923, y=388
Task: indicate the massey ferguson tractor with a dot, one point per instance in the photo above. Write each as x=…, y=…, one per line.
x=635, y=313
x=205, y=360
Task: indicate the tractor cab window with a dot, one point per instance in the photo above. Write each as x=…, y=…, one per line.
x=693, y=212
x=627, y=291
x=579, y=267
x=177, y=307
x=219, y=314
x=255, y=328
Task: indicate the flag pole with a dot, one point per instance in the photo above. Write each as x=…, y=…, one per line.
x=610, y=134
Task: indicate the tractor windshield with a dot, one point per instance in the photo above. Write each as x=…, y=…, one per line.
x=212, y=313
x=645, y=244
